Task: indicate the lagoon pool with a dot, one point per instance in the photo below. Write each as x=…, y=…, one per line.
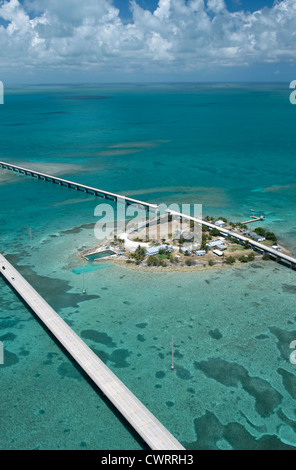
x=100, y=255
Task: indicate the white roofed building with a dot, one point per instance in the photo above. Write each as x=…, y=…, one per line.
x=154, y=250
x=220, y=223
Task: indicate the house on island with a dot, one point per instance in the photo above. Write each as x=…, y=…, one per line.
x=218, y=252
x=200, y=252
x=217, y=244
x=154, y=250
x=185, y=251
x=220, y=223
x=254, y=235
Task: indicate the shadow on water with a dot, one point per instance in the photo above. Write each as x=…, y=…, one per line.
x=81, y=371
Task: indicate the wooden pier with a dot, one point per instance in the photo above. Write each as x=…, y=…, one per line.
x=253, y=219
x=141, y=419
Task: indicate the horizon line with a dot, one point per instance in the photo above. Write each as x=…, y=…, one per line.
x=161, y=82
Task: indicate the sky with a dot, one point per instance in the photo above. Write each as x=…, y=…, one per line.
x=92, y=41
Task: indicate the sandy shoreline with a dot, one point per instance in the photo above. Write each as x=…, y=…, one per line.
x=174, y=268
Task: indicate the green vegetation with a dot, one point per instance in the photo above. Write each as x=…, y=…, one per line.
x=138, y=255
x=238, y=225
x=153, y=261
x=190, y=262
x=211, y=262
x=137, y=239
x=230, y=260
x=268, y=235
x=164, y=251
x=203, y=245
x=181, y=240
x=246, y=259
x=251, y=256
x=260, y=231
x=156, y=261
x=271, y=236
x=266, y=257
x=215, y=232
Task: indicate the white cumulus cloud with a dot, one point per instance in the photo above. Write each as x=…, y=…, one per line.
x=178, y=35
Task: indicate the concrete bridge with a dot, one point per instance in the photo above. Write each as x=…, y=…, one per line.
x=142, y=420
x=276, y=255
x=77, y=186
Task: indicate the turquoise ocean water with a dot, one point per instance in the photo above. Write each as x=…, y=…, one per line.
x=228, y=147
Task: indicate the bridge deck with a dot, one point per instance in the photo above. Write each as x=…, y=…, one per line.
x=142, y=420
x=73, y=184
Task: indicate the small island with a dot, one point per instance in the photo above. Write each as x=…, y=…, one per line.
x=143, y=249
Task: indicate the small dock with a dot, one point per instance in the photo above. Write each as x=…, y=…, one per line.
x=254, y=218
